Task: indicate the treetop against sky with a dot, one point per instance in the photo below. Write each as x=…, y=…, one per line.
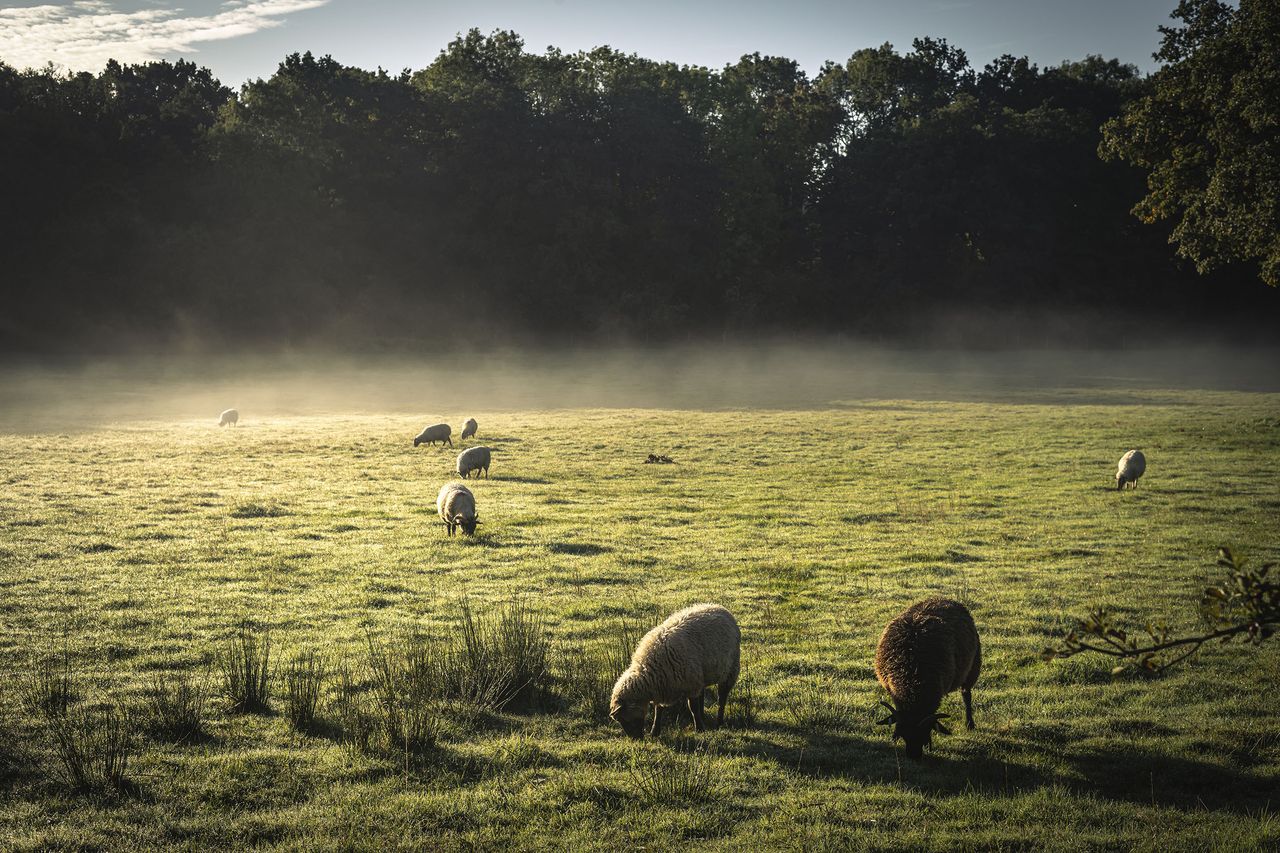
x=246, y=39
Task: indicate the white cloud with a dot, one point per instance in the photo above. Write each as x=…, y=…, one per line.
x=83, y=35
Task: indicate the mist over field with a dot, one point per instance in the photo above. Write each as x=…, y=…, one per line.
x=443, y=385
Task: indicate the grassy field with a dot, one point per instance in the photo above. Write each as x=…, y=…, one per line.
x=140, y=549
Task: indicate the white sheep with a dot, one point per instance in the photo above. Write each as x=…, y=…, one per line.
x=674, y=663
x=434, y=433
x=469, y=429
x=1132, y=466
x=474, y=459
x=229, y=418
x=457, y=507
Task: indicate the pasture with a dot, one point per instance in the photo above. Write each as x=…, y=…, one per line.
x=138, y=549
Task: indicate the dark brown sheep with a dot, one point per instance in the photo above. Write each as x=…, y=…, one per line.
x=927, y=651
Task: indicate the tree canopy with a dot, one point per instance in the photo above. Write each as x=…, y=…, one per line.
x=1207, y=130
x=575, y=196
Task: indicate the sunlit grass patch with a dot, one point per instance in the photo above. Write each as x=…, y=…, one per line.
x=439, y=723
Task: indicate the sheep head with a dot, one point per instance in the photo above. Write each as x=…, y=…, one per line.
x=630, y=716
x=916, y=734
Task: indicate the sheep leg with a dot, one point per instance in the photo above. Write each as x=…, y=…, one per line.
x=722, y=693
x=696, y=706
x=966, y=686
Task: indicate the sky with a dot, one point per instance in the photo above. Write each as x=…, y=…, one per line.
x=241, y=40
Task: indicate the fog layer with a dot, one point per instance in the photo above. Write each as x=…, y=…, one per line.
x=451, y=387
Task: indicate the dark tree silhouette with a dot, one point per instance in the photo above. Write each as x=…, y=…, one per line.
x=592, y=196
x=1207, y=131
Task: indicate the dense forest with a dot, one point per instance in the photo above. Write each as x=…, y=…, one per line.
x=589, y=196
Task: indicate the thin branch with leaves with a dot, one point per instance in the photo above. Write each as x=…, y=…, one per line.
x=1246, y=604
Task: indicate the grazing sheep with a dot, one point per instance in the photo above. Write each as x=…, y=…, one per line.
x=1132, y=466
x=457, y=507
x=229, y=418
x=474, y=459
x=927, y=651
x=672, y=665
x=434, y=433
x=469, y=429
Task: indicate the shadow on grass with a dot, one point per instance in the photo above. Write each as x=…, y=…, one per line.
x=964, y=763
x=957, y=766
x=578, y=549
x=1143, y=777
x=532, y=481
x=481, y=540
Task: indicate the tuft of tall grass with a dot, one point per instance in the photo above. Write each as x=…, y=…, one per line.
x=246, y=670
x=675, y=776
x=93, y=747
x=403, y=689
x=357, y=722
x=174, y=707
x=304, y=678
x=50, y=685
x=496, y=661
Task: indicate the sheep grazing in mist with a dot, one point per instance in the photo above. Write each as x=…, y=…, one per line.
x=1132, y=466
x=434, y=433
x=474, y=459
x=927, y=651
x=229, y=418
x=469, y=429
x=674, y=663
x=457, y=507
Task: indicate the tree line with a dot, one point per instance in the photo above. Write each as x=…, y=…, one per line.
x=582, y=197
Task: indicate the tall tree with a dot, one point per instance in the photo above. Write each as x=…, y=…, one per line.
x=1208, y=133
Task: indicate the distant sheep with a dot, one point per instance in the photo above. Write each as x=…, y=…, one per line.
x=927, y=651
x=434, y=433
x=1132, y=466
x=474, y=459
x=457, y=507
x=674, y=663
x=229, y=418
x=469, y=429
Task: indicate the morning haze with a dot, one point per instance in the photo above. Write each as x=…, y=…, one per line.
x=689, y=441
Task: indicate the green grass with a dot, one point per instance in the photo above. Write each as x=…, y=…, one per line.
x=143, y=548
